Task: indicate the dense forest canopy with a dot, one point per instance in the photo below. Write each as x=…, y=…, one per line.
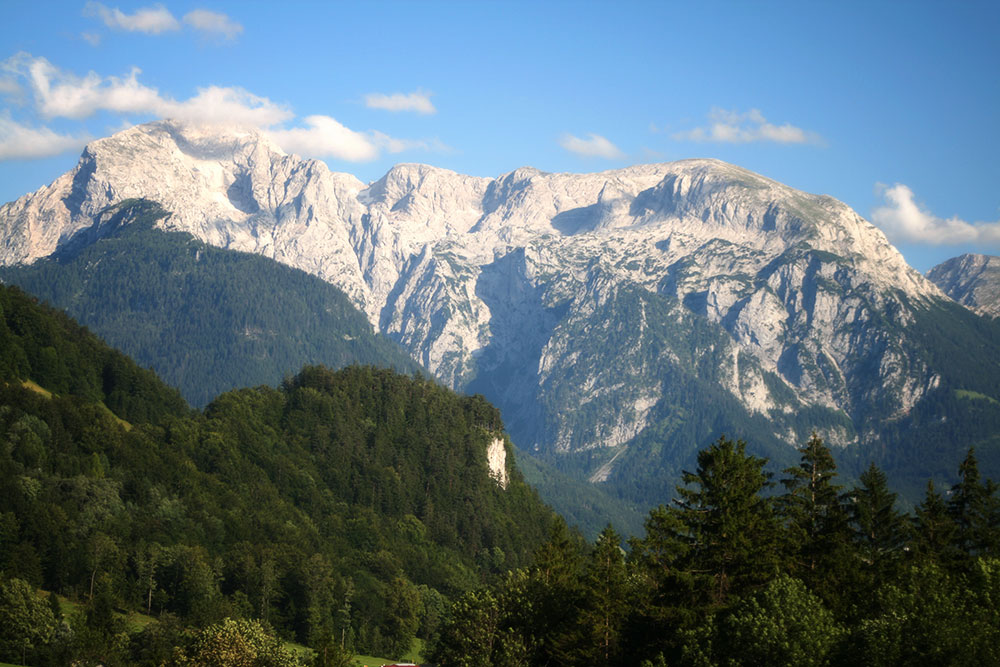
x=735, y=573
x=349, y=505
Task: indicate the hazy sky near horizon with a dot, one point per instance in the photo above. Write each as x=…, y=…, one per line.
x=892, y=107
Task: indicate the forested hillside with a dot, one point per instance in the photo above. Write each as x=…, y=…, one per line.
x=206, y=320
x=44, y=348
x=737, y=572
x=341, y=509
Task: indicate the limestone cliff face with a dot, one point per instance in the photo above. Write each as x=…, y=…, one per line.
x=575, y=302
x=496, y=458
x=972, y=280
x=233, y=189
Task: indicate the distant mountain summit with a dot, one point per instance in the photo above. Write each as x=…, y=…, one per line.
x=620, y=320
x=972, y=280
x=207, y=320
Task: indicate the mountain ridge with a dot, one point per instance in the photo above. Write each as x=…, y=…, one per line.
x=207, y=320
x=972, y=280
x=576, y=302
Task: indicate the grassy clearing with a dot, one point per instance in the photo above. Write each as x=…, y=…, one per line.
x=974, y=395
x=136, y=622
x=35, y=387
x=303, y=653
x=126, y=425
x=415, y=655
x=39, y=389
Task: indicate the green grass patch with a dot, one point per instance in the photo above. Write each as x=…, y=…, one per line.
x=66, y=606
x=136, y=622
x=39, y=389
x=974, y=395
x=370, y=661
x=126, y=425
x=415, y=655
x=35, y=387
x=303, y=653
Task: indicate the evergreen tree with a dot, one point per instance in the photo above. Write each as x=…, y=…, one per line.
x=974, y=509
x=731, y=530
x=556, y=590
x=879, y=530
x=816, y=523
x=55, y=607
x=933, y=529
x=605, y=601
x=664, y=591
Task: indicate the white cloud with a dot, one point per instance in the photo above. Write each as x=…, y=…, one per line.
x=594, y=146
x=213, y=22
x=58, y=93
x=151, y=20
x=91, y=38
x=904, y=220
x=21, y=142
x=734, y=127
x=228, y=106
x=62, y=94
x=418, y=101
x=650, y=155
x=325, y=137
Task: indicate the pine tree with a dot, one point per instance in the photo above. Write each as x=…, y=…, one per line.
x=879, y=530
x=975, y=509
x=730, y=528
x=933, y=529
x=555, y=584
x=605, y=600
x=665, y=596
x=816, y=522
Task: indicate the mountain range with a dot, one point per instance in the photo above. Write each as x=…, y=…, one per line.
x=620, y=320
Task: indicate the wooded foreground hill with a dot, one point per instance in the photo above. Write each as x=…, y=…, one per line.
x=348, y=506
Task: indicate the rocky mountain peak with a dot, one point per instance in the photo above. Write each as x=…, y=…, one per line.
x=512, y=285
x=972, y=280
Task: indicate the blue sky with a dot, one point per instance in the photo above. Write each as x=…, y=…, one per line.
x=891, y=107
